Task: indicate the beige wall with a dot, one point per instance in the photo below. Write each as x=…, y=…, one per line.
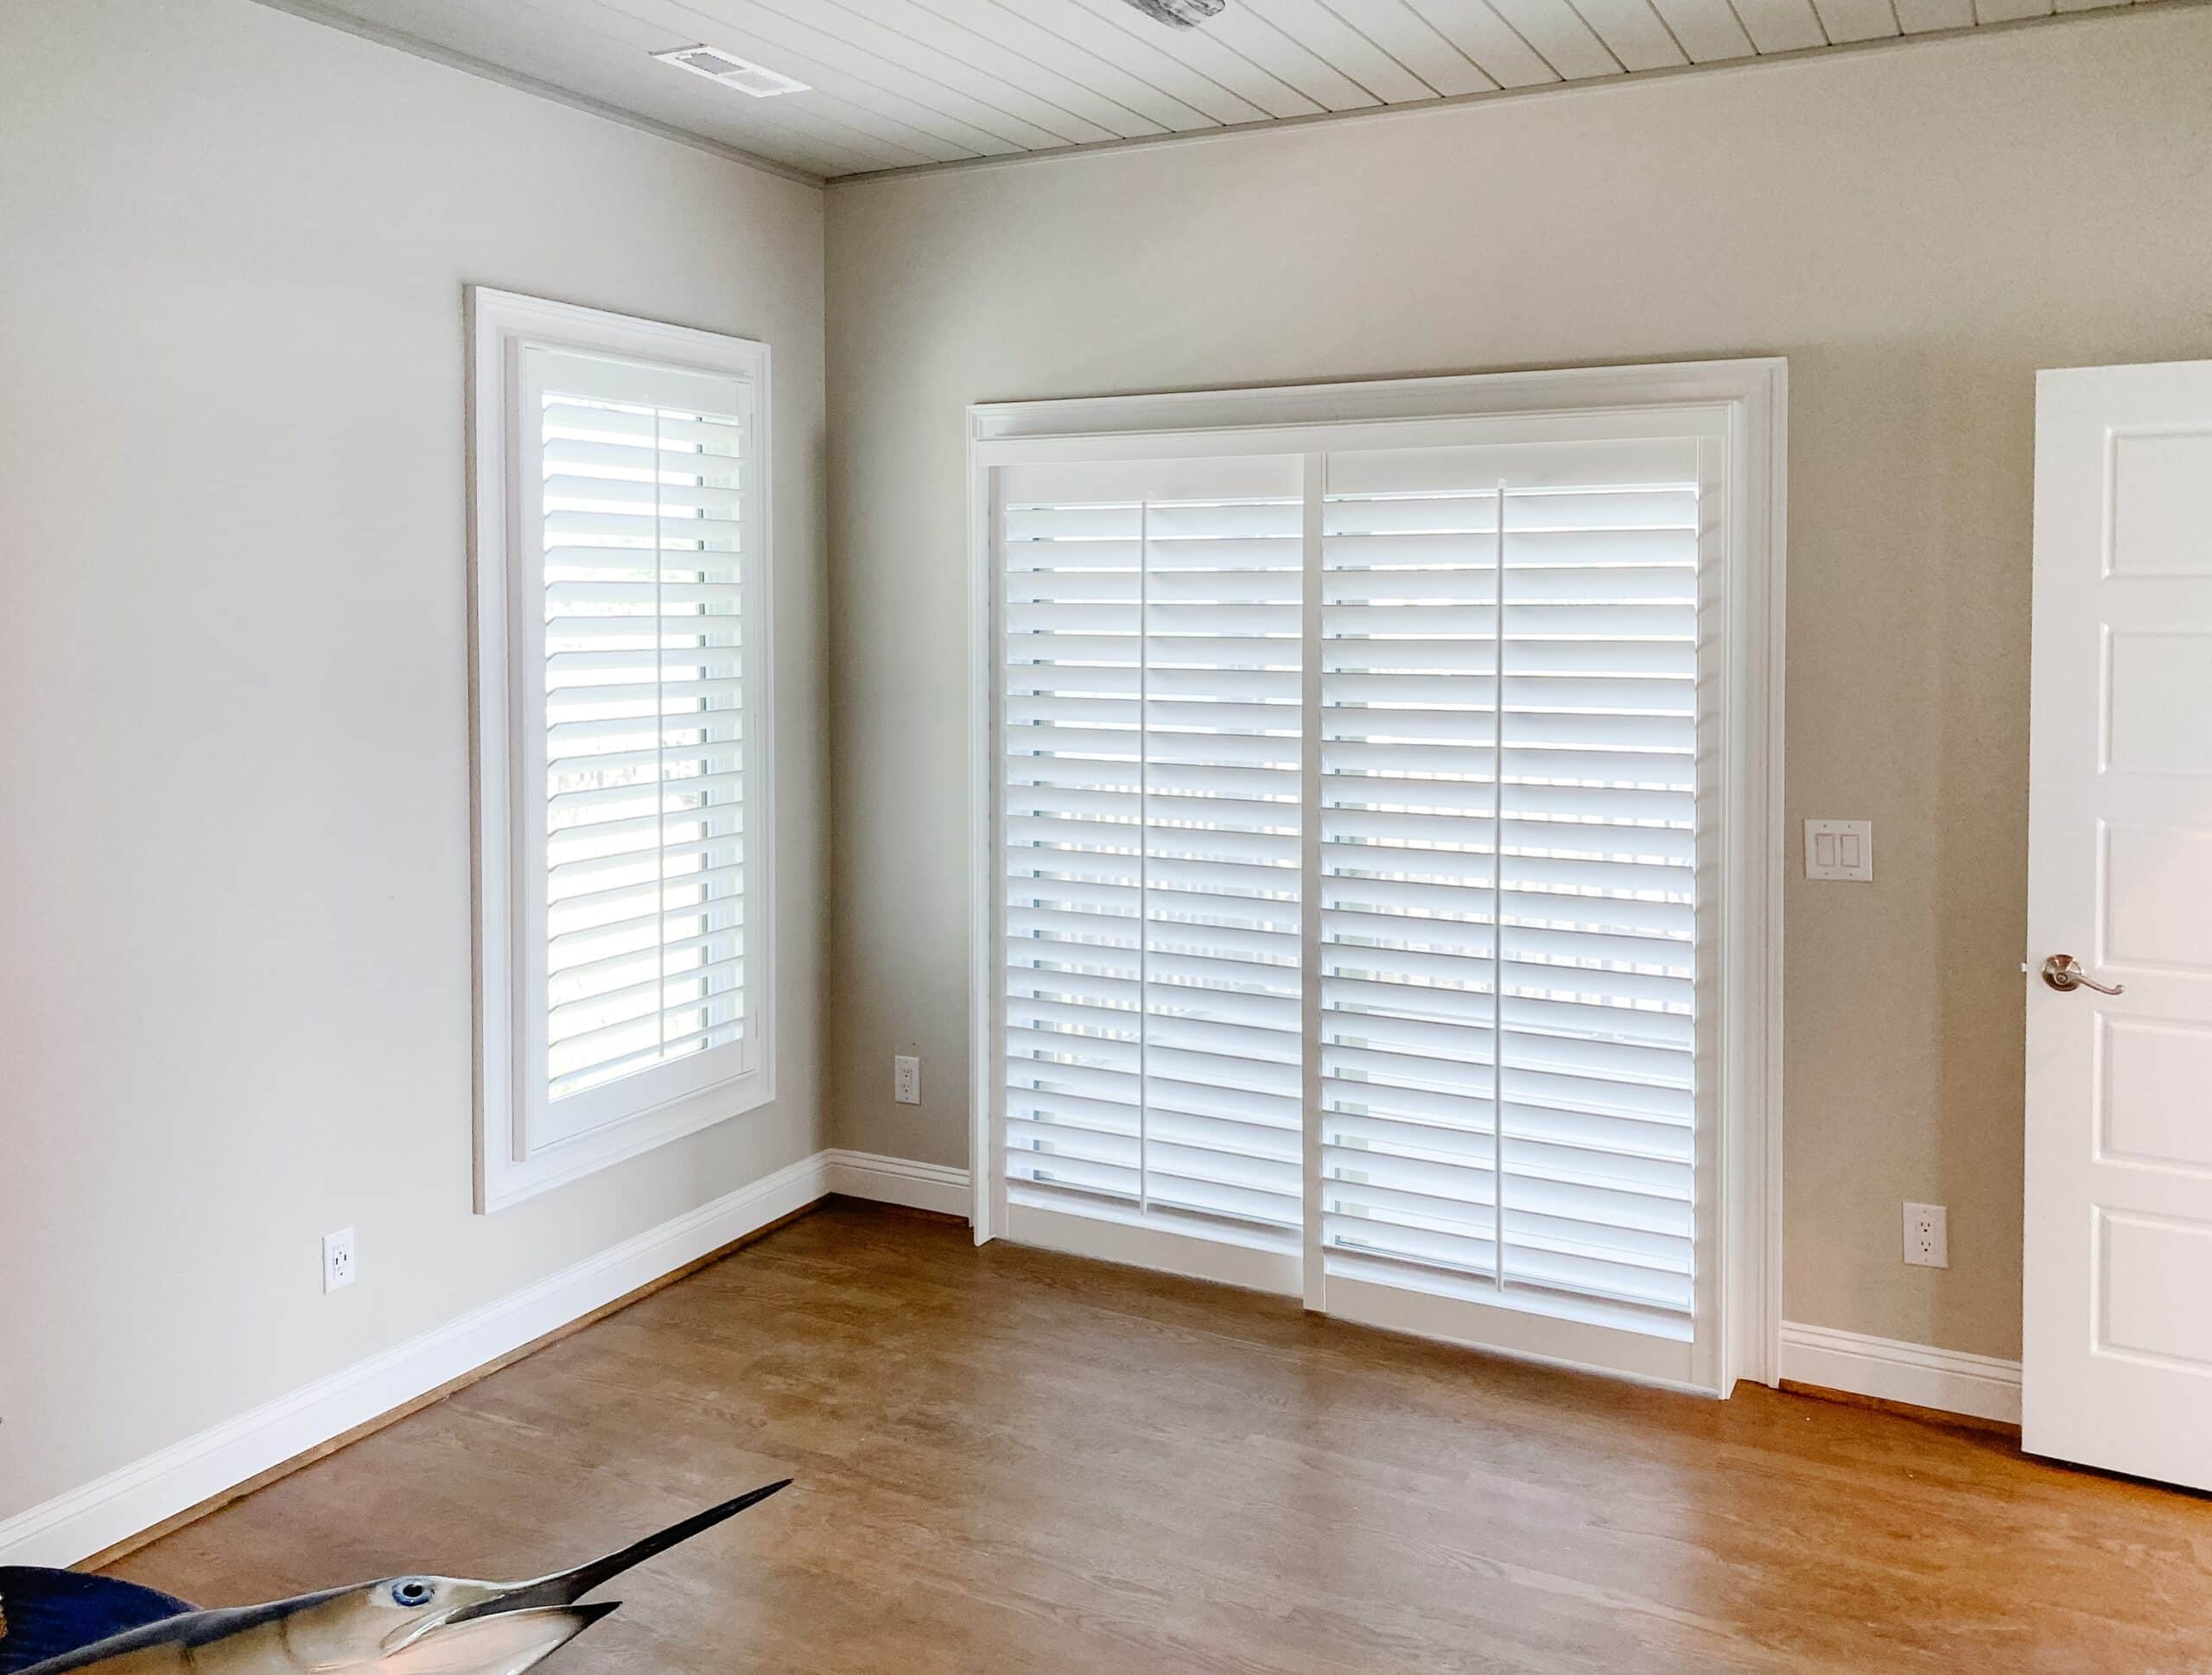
x=234, y=850
x=1917, y=229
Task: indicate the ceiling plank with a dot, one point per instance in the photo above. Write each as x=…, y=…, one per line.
x=1042, y=123
x=1268, y=46
x=1857, y=19
x=1329, y=38
x=1495, y=45
x=1555, y=29
x=1634, y=33
x=1135, y=52
x=1022, y=28
x=1416, y=43
x=1920, y=16
x=977, y=46
x=1709, y=30
x=1782, y=26
x=1208, y=55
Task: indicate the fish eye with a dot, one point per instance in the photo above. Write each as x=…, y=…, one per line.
x=413, y=1591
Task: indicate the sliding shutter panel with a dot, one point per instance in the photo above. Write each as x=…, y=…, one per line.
x=1508, y=735
x=1408, y=865
x=1223, y=646
x=1073, y=829
x=1599, y=881
x=1151, y=823
x=641, y=502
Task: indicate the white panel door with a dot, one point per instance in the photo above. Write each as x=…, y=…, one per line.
x=2119, y=1226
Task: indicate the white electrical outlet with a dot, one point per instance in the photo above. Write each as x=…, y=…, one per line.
x=906, y=1079
x=337, y=1259
x=1927, y=1239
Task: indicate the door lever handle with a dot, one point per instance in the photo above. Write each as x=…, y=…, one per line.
x=2063, y=973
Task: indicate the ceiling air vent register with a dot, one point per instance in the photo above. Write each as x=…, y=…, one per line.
x=732, y=71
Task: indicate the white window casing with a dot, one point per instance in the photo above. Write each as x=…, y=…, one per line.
x=1378, y=829
x=619, y=542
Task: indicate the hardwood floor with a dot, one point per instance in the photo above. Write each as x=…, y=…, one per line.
x=1009, y=1462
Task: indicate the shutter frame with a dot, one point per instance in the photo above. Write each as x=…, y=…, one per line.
x=611, y=358
x=1736, y=411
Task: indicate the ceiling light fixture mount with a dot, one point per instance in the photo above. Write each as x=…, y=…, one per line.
x=1180, y=14
x=731, y=71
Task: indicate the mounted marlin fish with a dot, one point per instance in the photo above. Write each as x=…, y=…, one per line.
x=56, y=1621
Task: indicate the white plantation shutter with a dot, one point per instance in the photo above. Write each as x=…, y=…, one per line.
x=1383, y=853
x=1153, y=813
x=1151, y=820
x=641, y=507
x=621, y=571
x=1509, y=835
x=641, y=510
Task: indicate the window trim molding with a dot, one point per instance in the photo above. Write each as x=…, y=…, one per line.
x=1753, y=392
x=498, y=324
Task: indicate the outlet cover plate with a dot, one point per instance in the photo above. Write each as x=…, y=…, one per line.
x=906, y=1079
x=338, y=1260
x=1926, y=1236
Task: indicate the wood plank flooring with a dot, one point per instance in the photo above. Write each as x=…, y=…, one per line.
x=1012, y=1461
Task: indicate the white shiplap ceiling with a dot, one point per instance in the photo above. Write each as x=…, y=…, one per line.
x=900, y=84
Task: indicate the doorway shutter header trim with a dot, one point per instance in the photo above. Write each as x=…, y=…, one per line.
x=1559, y=404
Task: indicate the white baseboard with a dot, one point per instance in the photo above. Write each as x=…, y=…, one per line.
x=112, y=1508
x=900, y=1181
x=1948, y=1379
x=109, y=1509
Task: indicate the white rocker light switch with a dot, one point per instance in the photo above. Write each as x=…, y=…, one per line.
x=1839, y=849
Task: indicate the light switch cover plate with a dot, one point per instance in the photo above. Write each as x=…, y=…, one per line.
x=1839, y=849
